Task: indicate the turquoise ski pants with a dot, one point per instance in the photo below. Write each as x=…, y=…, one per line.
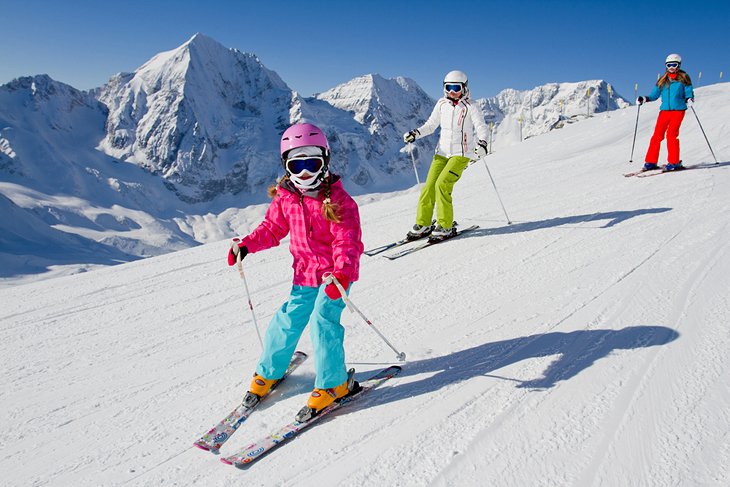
x=442, y=176
x=307, y=305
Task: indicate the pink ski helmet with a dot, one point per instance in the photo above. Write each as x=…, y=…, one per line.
x=303, y=134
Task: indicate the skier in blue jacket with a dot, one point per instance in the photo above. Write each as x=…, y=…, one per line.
x=675, y=90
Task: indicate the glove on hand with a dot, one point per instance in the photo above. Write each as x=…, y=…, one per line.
x=481, y=149
x=410, y=136
x=690, y=101
x=641, y=100
x=236, y=248
x=332, y=291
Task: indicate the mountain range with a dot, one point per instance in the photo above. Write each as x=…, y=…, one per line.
x=171, y=155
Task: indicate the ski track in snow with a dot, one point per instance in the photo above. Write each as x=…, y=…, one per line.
x=585, y=344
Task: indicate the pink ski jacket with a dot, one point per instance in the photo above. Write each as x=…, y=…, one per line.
x=318, y=245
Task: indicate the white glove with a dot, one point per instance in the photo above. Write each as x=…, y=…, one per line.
x=481, y=149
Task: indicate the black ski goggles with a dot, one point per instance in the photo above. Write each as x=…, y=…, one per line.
x=312, y=164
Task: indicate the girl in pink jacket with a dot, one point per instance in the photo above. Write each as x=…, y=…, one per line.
x=311, y=205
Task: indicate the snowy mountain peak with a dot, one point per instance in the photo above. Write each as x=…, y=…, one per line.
x=196, y=115
x=518, y=115
x=42, y=90
x=366, y=96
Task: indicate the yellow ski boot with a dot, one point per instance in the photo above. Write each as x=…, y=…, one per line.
x=259, y=388
x=321, y=398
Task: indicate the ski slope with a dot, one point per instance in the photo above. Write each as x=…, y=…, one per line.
x=585, y=344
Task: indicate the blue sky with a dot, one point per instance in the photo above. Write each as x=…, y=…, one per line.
x=315, y=45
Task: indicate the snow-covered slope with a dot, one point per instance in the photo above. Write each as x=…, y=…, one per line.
x=585, y=344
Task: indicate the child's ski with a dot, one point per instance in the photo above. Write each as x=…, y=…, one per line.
x=219, y=434
x=256, y=450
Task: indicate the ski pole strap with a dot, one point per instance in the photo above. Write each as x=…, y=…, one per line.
x=329, y=278
x=239, y=260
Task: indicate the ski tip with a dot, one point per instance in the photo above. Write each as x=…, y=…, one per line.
x=299, y=352
x=226, y=461
x=202, y=446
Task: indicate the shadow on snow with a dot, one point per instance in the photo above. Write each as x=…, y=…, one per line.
x=613, y=217
x=575, y=351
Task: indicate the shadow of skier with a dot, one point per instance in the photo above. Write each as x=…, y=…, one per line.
x=613, y=217
x=575, y=351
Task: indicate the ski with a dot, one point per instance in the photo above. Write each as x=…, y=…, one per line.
x=664, y=170
x=219, y=434
x=642, y=171
x=399, y=243
x=393, y=245
x=258, y=449
x=428, y=243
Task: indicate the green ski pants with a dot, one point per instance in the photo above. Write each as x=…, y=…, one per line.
x=442, y=176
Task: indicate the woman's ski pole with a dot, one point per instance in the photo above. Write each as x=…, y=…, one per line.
x=329, y=278
x=413, y=160
x=509, y=222
x=239, y=264
x=636, y=127
x=703, y=133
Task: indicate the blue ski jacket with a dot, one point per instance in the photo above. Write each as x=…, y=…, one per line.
x=674, y=95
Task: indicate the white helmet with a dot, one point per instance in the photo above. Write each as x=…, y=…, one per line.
x=674, y=58
x=457, y=77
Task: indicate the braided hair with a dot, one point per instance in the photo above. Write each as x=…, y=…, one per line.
x=330, y=210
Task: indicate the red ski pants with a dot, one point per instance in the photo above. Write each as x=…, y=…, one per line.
x=668, y=122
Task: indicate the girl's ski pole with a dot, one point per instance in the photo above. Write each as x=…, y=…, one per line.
x=239, y=264
x=329, y=278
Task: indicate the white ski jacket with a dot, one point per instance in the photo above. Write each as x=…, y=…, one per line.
x=457, y=122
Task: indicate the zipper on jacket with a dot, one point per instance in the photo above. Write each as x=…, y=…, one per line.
x=464, y=143
x=669, y=97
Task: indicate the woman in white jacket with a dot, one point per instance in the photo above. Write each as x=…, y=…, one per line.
x=458, y=118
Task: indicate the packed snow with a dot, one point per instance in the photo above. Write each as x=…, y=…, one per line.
x=584, y=344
